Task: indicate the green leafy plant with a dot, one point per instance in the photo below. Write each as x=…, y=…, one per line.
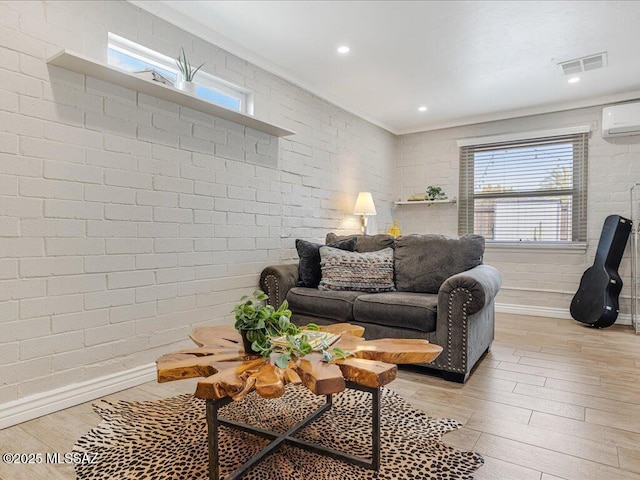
x=435, y=193
x=187, y=71
x=262, y=322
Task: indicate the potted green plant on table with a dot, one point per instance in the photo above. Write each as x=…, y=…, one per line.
x=266, y=330
x=187, y=72
x=256, y=320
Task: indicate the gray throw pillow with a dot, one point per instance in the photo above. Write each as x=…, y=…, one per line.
x=365, y=243
x=363, y=272
x=309, y=253
x=424, y=262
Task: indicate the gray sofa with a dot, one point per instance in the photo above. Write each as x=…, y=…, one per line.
x=444, y=294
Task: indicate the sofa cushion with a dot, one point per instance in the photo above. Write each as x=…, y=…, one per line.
x=364, y=272
x=424, y=262
x=415, y=311
x=309, y=266
x=318, y=303
x=364, y=243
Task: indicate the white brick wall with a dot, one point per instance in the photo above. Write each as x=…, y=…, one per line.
x=531, y=277
x=125, y=220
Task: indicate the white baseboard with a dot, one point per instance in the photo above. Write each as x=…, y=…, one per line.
x=41, y=404
x=623, y=318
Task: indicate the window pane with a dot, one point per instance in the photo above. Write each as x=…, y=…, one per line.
x=131, y=64
x=217, y=97
x=534, y=219
x=534, y=190
x=524, y=169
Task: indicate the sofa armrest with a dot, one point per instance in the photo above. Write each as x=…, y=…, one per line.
x=465, y=325
x=482, y=284
x=277, y=280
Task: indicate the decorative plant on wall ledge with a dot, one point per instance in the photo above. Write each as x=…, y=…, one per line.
x=187, y=72
x=435, y=193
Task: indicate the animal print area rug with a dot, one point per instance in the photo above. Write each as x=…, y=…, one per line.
x=167, y=439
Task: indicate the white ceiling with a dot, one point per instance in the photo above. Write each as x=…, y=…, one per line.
x=467, y=61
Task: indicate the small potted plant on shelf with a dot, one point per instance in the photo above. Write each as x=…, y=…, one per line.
x=187, y=72
x=435, y=193
x=266, y=330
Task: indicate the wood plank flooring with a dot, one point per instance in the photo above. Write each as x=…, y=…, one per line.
x=552, y=400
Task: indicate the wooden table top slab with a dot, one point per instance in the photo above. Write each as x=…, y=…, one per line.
x=230, y=372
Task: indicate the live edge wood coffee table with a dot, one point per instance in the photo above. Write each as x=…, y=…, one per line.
x=230, y=374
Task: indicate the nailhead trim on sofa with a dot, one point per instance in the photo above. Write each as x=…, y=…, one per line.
x=267, y=281
x=448, y=366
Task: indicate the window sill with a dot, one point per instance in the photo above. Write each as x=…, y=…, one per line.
x=551, y=247
x=86, y=66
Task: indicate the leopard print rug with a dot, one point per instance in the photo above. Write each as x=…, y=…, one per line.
x=167, y=439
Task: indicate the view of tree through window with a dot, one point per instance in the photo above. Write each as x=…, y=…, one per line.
x=524, y=191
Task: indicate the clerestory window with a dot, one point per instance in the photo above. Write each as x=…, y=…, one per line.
x=132, y=57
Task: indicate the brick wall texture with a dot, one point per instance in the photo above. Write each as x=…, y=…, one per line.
x=125, y=221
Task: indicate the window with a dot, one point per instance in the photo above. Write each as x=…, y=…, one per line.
x=130, y=56
x=517, y=189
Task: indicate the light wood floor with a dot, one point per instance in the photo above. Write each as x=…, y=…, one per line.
x=552, y=400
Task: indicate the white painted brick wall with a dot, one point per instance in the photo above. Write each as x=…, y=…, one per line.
x=531, y=277
x=126, y=220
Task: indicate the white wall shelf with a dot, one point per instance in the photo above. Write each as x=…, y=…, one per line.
x=426, y=202
x=86, y=66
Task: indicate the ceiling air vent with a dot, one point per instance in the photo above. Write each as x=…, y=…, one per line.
x=584, y=64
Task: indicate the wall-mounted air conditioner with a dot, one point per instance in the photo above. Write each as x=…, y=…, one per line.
x=620, y=120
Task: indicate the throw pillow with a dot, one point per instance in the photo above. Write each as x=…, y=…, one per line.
x=365, y=243
x=309, y=253
x=424, y=262
x=363, y=272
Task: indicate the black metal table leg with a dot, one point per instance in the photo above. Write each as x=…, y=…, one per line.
x=278, y=439
x=213, y=425
x=375, y=429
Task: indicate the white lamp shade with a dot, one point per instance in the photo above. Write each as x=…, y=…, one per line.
x=364, y=204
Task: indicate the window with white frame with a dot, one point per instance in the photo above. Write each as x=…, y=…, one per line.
x=130, y=56
x=525, y=188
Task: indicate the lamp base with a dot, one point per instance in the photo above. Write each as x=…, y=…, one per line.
x=364, y=224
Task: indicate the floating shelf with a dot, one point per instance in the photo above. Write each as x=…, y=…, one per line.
x=426, y=202
x=86, y=66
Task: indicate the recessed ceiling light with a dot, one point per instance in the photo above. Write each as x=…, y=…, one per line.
x=343, y=50
x=574, y=80
x=422, y=109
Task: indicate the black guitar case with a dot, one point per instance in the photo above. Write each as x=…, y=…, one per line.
x=596, y=301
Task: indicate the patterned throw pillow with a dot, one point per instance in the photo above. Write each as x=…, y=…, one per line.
x=309, y=265
x=363, y=272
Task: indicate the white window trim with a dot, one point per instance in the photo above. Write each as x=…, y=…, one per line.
x=205, y=79
x=514, y=137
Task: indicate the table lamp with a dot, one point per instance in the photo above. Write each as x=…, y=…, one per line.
x=365, y=207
